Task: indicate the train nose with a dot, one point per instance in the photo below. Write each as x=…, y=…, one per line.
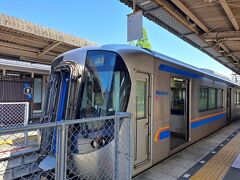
x=92, y=158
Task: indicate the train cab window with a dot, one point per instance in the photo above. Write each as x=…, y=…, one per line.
x=212, y=98
x=106, y=85
x=141, y=99
x=203, y=99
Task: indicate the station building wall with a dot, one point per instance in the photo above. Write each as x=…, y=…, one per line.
x=16, y=77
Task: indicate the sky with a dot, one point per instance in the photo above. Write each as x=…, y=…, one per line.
x=105, y=22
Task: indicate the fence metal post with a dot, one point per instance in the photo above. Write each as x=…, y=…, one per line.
x=116, y=141
x=57, y=154
x=60, y=152
x=130, y=146
x=25, y=138
x=63, y=153
x=26, y=123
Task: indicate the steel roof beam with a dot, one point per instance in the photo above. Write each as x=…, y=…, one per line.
x=221, y=35
x=29, y=56
x=229, y=13
x=183, y=14
x=183, y=8
x=230, y=55
x=174, y=14
x=49, y=48
x=233, y=53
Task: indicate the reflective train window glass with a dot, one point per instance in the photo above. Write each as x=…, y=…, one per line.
x=37, y=92
x=237, y=98
x=106, y=86
x=203, y=99
x=220, y=98
x=212, y=98
x=178, y=91
x=141, y=99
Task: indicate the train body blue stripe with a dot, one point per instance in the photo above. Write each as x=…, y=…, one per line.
x=207, y=120
x=164, y=134
x=174, y=70
x=161, y=93
x=62, y=98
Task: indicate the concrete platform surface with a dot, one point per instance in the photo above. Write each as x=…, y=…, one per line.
x=176, y=165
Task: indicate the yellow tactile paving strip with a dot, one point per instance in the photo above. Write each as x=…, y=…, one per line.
x=219, y=164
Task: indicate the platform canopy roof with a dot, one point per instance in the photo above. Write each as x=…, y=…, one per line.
x=23, y=40
x=212, y=26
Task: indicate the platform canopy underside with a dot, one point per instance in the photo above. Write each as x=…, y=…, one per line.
x=209, y=25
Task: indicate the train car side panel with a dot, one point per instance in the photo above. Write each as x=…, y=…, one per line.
x=204, y=122
x=161, y=126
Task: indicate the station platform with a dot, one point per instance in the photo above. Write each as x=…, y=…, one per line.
x=214, y=157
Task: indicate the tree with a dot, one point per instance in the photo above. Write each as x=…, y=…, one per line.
x=143, y=42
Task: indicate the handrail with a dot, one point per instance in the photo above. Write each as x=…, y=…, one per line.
x=62, y=123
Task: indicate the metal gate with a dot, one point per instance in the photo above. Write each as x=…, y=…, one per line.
x=13, y=114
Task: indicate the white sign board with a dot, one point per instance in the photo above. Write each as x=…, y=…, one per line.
x=134, y=26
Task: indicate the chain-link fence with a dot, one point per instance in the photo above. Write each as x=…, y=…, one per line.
x=92, y=148
x=13, y=114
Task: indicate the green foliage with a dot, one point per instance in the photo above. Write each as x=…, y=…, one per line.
x=143, y=42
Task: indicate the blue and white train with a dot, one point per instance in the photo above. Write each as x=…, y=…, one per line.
x=173, y=104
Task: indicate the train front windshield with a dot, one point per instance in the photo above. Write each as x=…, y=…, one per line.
x=106, y=85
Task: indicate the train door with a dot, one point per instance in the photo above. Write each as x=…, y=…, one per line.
x=142, y=125
x=179, y=111
x=228, y=101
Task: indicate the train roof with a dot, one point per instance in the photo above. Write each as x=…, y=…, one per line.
x=163, y=57
x=202, y=71
x=125, y=49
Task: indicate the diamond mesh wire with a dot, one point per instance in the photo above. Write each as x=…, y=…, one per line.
x=13, y=114
x=102, y=152
x=20, y=157
x=65, y=150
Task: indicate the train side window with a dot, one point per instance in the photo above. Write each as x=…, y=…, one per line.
x=37, y=92
x=178, y=91
x=203, y=99
x=220, y=98
x=141, y=99
x=237, y=98
x=212, y=98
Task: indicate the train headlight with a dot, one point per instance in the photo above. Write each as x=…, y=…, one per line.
x=98, y=143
